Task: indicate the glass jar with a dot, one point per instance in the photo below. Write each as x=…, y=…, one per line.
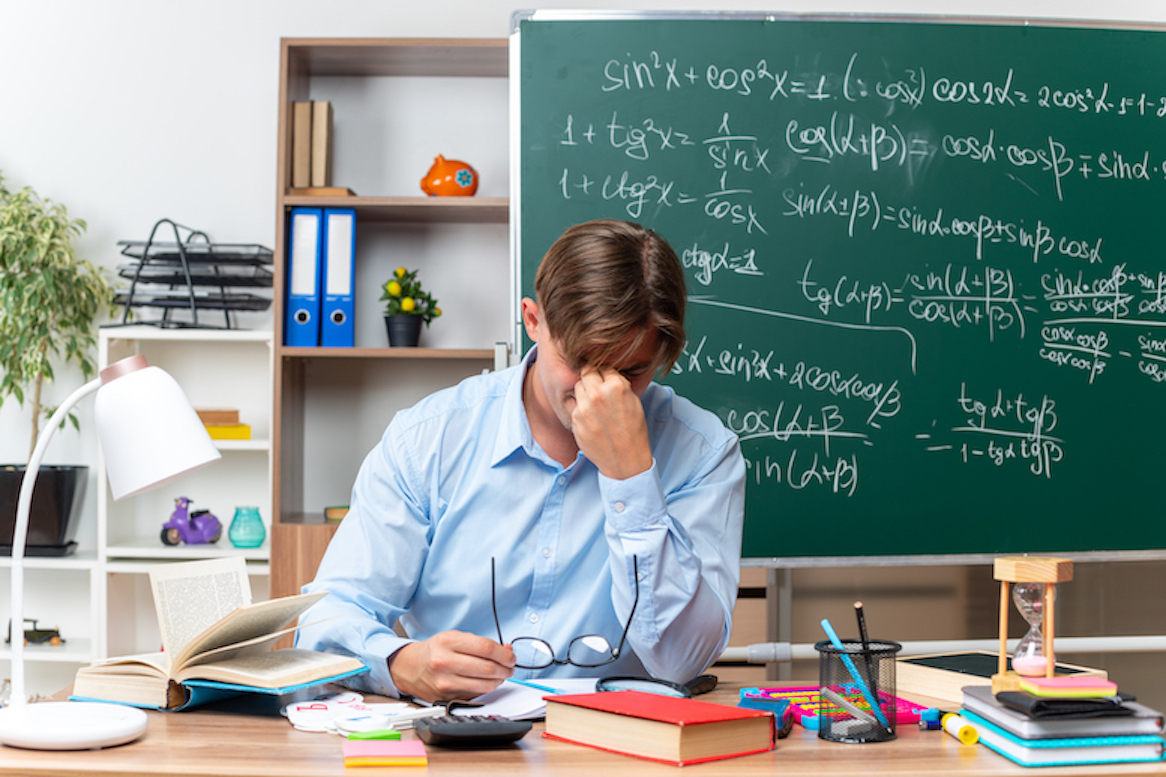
x=247, y=529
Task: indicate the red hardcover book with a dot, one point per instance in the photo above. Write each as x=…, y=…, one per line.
x=659, y=728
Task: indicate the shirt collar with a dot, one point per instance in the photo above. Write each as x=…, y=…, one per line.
x=514, y=431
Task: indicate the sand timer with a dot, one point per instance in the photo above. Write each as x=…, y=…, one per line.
x=1029, y=657
x=1035, y=579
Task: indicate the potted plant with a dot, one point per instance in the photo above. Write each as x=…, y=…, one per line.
x=49, y=300
x=408, y=307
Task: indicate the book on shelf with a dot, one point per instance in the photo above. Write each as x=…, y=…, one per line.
x=321, y=143
x=658, y=728
x=229, y=431
x=301, y=172
x=943, y=676
x=1066, y=751
x=218, y=416
x=1131, y=719
x=215, y=643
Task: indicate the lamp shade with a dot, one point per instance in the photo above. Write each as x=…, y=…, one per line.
x=148, y=430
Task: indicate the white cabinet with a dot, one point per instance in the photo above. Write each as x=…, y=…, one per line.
x=217, y=369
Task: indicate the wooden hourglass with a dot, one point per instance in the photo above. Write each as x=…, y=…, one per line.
x=1035, y=578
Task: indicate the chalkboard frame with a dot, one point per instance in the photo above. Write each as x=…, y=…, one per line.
x=911, y=559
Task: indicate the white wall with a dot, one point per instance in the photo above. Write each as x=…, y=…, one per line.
x=128, y=111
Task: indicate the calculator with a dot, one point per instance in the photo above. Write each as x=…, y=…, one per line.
x=470, y=730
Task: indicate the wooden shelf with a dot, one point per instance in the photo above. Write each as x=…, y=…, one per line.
x=452, y=57
x=472, y=354
x=308, y=379
x=425, y=210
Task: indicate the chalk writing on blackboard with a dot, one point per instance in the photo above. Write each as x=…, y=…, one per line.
x=918, y=275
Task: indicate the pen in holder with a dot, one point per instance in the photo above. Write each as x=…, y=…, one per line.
x=857, y=690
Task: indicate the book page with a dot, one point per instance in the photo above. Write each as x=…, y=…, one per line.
x=274, y=668
x=245, y=623
x=261, y=644
x=142, y=663
x=191, y=596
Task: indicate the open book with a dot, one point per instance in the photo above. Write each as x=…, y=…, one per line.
x=213, y=640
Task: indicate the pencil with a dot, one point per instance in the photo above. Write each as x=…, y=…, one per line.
x=871, y=680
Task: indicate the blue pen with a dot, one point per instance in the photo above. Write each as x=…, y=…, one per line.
x=850, y=667
x=529, y=684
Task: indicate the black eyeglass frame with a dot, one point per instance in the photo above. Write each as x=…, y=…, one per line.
x=613, y=653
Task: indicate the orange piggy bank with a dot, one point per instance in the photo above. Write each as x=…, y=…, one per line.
x=450, y=178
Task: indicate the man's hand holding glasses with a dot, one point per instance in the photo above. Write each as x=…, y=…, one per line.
x=459, y=665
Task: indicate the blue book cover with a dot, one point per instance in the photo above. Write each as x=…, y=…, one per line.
x=199, y=692
x=1067, y=751
x=336, y=322
x=304, y=277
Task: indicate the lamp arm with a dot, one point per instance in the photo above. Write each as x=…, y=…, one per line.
x=20, y=538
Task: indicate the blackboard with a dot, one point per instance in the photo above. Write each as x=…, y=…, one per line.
x=926, y=261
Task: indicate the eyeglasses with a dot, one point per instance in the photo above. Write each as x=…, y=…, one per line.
x=590, y=650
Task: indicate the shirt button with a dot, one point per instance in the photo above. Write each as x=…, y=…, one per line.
x=618, y=507
x=546, y=552
x=562, y=480
x=534, y=617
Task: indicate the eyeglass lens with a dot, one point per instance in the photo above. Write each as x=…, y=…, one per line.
x=589, y=650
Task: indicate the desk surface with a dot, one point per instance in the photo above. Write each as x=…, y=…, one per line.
x=219, y=743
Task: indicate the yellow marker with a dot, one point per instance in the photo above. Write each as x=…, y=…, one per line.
x=960, y=729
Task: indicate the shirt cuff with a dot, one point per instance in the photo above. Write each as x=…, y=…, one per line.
x=636, y=502
x=379, y=676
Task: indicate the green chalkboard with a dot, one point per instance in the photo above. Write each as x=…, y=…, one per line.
x=926, y=261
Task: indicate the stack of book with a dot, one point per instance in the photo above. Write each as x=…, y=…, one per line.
x=1063, y=731
x=311, y=173
x=224, y=425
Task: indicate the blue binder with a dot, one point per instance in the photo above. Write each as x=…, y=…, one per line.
x=336, y=325
x=304, y=252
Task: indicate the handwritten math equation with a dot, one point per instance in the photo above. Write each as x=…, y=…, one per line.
x=837, y=150
x=911, y=87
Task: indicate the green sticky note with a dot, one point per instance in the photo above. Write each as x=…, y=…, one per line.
x=384, y=733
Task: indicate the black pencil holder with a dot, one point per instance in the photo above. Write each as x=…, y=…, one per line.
x=857, y=701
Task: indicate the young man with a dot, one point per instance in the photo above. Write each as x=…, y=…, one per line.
x=505, y=518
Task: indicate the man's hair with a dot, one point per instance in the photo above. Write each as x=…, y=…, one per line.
x=603, y=282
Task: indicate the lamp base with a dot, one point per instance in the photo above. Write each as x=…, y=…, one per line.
x=70, y=725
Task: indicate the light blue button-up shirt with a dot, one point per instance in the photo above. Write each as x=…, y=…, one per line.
x=458, y=479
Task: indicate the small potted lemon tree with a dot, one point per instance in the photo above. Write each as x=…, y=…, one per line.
x=409, y=306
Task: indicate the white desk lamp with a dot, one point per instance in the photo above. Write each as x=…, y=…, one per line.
x=150, y=435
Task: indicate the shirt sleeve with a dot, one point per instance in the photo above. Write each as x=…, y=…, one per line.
x=367, y=596
x=685, y=545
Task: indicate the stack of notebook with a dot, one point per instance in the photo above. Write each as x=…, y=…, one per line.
x=1037, y=730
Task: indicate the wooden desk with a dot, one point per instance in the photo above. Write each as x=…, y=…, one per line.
x=218, y=743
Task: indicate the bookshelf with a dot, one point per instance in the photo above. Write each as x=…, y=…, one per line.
x=396, y=105
x=216, y=369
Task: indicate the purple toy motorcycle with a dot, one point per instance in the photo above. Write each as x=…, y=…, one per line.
x=195, y=528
